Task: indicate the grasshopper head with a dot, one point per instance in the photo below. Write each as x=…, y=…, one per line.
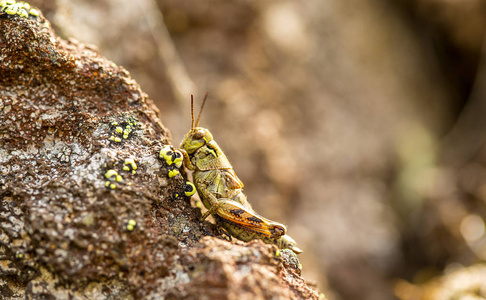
x=195, y=139
x=197, y=136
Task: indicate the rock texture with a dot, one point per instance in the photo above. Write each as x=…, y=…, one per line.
x=63, y=232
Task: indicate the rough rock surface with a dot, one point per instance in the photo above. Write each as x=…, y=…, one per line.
x=63, y=233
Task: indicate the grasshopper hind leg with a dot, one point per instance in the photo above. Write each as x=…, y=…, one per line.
x=225, y=232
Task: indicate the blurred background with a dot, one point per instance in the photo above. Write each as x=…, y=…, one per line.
x=358, y=123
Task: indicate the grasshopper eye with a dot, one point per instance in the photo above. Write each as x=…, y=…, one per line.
x=198, y=135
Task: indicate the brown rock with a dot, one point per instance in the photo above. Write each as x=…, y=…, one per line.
x=64, y=226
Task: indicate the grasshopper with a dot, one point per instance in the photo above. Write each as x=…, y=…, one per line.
x=221, y=191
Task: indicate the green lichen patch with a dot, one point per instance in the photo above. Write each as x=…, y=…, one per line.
x=189, y=189
x=115, y=172
x=12, y=8
x=172, y=160
x=131, y=224
x=122, y=130
x=130, y=166
x=113, y=178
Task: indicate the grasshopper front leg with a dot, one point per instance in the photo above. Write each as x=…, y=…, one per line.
x=187, y=160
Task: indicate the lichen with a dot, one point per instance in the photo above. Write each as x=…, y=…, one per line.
x=12, y=8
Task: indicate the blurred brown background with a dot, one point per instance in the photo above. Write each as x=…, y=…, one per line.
x=358, y=123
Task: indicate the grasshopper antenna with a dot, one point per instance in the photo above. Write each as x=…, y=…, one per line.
x=192, y=110
x=202, y=106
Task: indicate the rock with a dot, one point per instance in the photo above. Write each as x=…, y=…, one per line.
x=74, y=221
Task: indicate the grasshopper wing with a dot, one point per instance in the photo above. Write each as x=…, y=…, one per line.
x=234, y=213
x=224, y=183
